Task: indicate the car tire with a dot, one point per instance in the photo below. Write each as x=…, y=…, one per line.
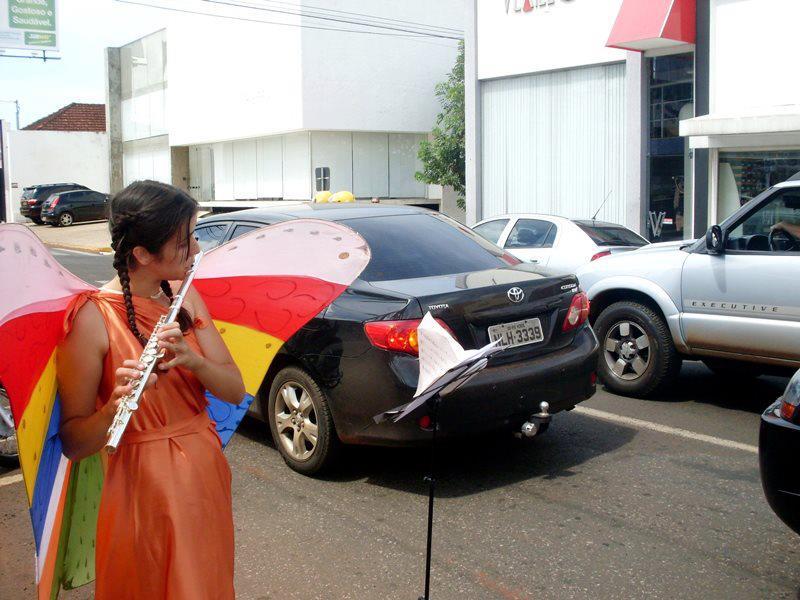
x=297, y=406
x=733, y=368
x=637, y=356
x=9, y=452
x=65, y=219
x=37, y=221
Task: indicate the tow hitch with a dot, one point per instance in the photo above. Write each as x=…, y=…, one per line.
x=537, y=422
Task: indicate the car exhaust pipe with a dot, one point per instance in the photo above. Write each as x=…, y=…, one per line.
x=537, y=422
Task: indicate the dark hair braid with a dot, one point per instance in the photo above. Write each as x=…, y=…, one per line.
x=147, y=214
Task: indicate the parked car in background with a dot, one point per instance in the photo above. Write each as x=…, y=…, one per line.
x=65, y=208
x=34, y=196
x=731, y=299
x=556, y=242
x=359, y=357
x=778, y=449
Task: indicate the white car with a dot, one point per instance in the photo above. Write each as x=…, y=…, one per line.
x=556, y=242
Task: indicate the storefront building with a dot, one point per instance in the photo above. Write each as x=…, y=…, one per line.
x=241, y=113
x=663, y=115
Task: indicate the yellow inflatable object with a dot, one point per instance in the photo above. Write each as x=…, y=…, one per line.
x=322, y=197
x=341, y=197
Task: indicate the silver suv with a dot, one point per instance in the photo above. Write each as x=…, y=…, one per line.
x=731, y=299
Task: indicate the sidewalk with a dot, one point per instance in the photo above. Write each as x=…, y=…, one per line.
x=86, y=237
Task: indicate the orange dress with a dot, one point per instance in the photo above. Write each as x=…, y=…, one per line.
x=165, y=524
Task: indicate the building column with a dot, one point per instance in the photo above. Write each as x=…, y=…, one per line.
x=702, y=89
x=114, y=119
x=636, y=142
x=472, y=115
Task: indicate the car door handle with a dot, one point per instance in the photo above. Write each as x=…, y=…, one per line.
x=534, y=260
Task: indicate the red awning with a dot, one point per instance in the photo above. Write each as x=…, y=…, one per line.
x=648, y=24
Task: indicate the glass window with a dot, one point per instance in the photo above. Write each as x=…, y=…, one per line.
x=322, y=179
x=421, y=245
x=753, y=232
x=242, y=229
x=604, y=235
x=210, y=236
x=491, y=230
x=528, y=233
x=745, y=174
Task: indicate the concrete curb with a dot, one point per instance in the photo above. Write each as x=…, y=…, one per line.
x=79, y=248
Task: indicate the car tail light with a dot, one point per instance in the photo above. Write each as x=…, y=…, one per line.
x=32, y=201
x=511, y=259
x=791, y=399
x=578, y=312
x=601, y=255
x=54, y=201
x=398, y=336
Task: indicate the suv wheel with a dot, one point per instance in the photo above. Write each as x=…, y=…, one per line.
x=300, y=421
x=37, y=220
x=65, y=219
x=638, y=356
x=9, y=453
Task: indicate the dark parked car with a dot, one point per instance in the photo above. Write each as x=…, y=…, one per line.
x=34, y=196
x=778, y=449
x=358, y=358
x=65, y=208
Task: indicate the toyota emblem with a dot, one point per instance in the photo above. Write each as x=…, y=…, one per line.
x=516, y=294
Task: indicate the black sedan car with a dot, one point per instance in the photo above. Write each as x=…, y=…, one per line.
x=30, y=203
x=358, y=358
x=65, y=208
x=778, y=449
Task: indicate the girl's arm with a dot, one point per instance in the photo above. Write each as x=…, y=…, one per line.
x=215, y=369
x=83, y=429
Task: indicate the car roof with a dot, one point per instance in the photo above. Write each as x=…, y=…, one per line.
x=67, y=193
x=527, y=216
x=595, y=223
x=44, y=185
x=327, y=212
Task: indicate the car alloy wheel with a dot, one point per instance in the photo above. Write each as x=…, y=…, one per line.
x=627, y=350
x=296, y=421
x=65, y=220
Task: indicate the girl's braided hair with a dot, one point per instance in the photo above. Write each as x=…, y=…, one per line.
x=147, y=214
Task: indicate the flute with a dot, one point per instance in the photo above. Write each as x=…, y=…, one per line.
x=150, y=357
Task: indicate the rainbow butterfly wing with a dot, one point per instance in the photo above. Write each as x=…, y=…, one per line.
x=263, y=287
x=36, y=294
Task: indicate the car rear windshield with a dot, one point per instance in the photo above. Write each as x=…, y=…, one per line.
x=421, y=245
x=612, y=236
x=28, y=193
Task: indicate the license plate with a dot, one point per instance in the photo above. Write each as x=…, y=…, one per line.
x=518, y=333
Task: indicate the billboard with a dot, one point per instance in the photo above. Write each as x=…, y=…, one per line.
x=28, y=25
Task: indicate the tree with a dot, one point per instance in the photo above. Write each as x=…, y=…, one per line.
x=443, y=156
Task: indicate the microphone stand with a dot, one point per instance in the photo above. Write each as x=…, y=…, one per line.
x=430, y=479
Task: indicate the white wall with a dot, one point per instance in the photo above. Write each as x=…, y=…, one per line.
x=146, y=159
x=553, y=143
x=371, y=165
x=334, y=149
x=566, y=33
x=356, y=82
x=231, y=80
x=54, y=157
x=754, y=44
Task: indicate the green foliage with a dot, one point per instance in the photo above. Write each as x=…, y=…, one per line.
x=443, y=156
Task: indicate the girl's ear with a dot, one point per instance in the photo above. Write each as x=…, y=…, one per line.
x=142, y=256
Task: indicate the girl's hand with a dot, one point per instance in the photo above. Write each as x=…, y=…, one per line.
x=130, y=369
x=178, y=353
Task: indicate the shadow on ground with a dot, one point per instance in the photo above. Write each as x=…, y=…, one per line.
x=473, y=465
x=696, y=383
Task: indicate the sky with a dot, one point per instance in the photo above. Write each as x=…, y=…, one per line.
x=86, y=28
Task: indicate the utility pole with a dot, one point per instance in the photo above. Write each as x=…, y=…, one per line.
x=16, y=104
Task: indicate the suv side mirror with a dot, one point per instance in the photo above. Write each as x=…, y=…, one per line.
x=715, y=244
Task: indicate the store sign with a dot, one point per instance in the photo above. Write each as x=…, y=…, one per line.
x=28, y=25
x=528, y=5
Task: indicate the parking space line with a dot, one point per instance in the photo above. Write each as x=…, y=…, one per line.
x=684, y=433
x=10, y=479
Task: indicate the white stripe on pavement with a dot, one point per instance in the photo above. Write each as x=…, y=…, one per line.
x=684, y=433
x=10, y=479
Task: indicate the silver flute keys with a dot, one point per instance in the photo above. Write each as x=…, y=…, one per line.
x=149, y=358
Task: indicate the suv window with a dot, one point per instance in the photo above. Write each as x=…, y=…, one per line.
x=752, y=234
x=529, y=233
x=491, y=230
x=421, y=245
x=210, y=236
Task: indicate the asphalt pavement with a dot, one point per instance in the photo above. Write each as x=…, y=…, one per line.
x=621, y=498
